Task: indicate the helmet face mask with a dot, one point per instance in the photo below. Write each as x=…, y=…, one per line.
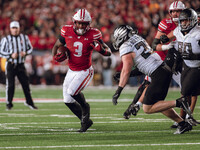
x=117, y=42
x=176, y=6
x=187, y=20
x=81, y=27
x=121, y=34
x=82, y=20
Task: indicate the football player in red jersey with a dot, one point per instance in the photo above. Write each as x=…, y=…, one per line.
x=81, y=40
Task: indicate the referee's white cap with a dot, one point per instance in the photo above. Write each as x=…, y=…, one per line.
x=14, y=24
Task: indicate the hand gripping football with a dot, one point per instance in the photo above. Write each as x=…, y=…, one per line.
x=62, y=49
x=62, y=53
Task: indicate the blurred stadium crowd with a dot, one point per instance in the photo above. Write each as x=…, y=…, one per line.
x=43, y=19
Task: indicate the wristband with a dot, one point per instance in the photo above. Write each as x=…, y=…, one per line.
x=165, y=47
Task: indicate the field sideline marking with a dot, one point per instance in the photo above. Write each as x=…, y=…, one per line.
x=108, y=145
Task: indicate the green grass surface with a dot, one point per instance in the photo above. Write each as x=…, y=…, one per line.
x=53, y=126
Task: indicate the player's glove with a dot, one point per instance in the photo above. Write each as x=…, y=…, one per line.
x=116, y=76
x=59, y=57
x=190, y=56
x=116, y=95
x=177, y=66
x=164, y=39
x=96, y=45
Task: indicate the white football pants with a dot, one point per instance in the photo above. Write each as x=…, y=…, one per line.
x=75, y=82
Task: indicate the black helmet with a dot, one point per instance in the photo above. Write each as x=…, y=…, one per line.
x=190, y=15
x=121, y=34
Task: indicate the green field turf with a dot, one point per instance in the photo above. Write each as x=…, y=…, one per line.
x=53, y=126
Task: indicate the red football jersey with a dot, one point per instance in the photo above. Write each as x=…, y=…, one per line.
x=165, y=26
x=80, y=51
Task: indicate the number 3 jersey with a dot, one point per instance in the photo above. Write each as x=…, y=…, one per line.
x=145, y=60
x=189, y=43
x=80, y=51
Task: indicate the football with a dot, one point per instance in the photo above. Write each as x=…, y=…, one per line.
x=62, y=49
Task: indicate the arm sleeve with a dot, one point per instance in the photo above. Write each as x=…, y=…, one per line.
x=155, y=43
x=62, y=39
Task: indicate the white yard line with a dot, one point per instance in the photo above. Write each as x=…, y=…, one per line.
x=108, y=145
x=90, y=131
x=53, y=100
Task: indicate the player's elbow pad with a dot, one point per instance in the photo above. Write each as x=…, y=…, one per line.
x=155, y=43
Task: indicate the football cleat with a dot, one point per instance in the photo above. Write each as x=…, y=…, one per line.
x=85, y=126
x=197, y=122
x=127, y=113
x=134, y=109
x=185, y=105
x=183, y=128
x=175, y=125
x=30, y=106
x=192, y=121
x=9, y=106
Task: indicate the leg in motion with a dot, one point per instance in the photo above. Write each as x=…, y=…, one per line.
x=133, y=107
x=75, y=108
x=86, y=122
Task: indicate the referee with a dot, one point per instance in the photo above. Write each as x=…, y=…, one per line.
x=15, y=47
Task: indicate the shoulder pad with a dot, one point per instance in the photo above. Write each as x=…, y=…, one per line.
x=66, y=28
x=165, y=24
x=96, y=33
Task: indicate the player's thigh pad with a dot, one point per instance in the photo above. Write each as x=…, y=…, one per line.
x=76, y=81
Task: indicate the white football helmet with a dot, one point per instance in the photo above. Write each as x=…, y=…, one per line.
x=83, y=16
x=176, y=5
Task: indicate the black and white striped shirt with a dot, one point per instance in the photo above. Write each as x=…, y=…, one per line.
x=15, y=44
